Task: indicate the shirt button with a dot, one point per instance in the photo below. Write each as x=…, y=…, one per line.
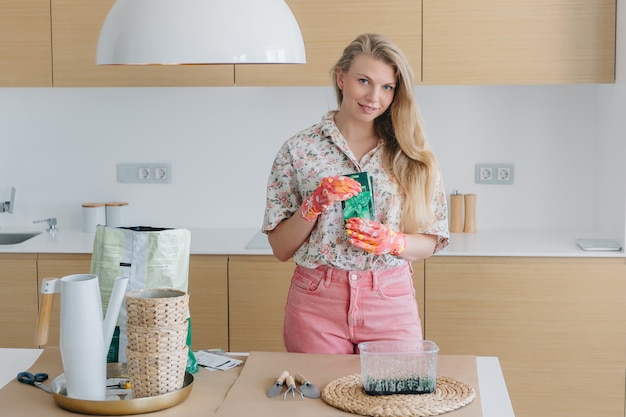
x=354, y=277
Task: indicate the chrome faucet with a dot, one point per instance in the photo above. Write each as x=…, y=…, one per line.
x=7, y=206
x=52, y=224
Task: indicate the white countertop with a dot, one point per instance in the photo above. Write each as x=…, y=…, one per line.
x=249, y=241
x=550, y=243
x=494, y=395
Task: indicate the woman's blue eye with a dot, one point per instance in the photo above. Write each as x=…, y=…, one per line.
x=363, y=81
x=388, y=87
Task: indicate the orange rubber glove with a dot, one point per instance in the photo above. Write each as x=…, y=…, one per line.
x=374, y=237
x=330, y=190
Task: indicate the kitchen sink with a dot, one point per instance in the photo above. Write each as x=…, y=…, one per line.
x=15, y=238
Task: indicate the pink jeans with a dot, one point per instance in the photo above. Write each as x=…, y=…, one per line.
x=331, y=310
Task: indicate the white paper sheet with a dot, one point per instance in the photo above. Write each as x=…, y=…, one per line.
x=15, y=361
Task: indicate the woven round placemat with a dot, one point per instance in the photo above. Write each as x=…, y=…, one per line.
x=347, y=394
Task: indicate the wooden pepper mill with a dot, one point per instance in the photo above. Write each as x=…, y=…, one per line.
x=470, y=213
x=456, y=212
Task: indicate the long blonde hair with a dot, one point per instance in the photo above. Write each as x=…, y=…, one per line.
x=406, y=153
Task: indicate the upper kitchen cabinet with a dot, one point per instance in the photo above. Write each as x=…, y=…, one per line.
x=327, y=27
x=518, y=42
x=25, y=45
x=75, y=30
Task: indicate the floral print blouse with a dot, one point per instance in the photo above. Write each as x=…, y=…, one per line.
x=321, y=151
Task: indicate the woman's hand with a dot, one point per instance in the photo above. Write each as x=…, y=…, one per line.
x=330, y=190
x=374, y=237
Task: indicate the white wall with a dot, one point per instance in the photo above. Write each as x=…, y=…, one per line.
x=60, y=147
x=547, y=132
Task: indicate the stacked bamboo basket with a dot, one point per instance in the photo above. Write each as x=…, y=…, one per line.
x=157, y=340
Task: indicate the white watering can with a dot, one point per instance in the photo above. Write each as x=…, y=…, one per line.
x=84, y=337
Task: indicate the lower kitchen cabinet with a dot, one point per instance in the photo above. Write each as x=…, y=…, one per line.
x=257, y=292
x=258, y=287
x=18, y=300
x=207, y=295
x=58, y=265
x=208, y=301
x=558, y=326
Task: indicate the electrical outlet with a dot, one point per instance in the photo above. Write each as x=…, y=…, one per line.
x=504, y=174
x=144, y=173
x=160, y=173
x=485, y=174
x=501, y=174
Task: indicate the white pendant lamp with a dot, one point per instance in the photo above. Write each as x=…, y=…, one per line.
x=172, y=32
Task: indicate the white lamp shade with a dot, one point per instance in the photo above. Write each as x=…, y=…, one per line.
x=171, y=32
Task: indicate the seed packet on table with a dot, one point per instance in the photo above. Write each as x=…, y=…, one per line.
x=213, y=361
x=361, y=205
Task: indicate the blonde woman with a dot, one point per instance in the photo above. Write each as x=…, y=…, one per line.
x=352, y=281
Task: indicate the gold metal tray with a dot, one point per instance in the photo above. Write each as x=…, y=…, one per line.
x=119, y=407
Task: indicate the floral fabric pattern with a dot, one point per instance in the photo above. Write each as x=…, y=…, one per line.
x=321, y=151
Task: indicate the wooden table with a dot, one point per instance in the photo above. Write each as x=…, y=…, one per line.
x=225, y=394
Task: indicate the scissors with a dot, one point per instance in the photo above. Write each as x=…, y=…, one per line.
x=35, y=380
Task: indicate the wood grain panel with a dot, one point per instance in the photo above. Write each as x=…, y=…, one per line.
x=519, y=42
x=25, y=43
x=18, y=300
x=328, y=26
x=257, y=293
x=75, y=31
x=557, y=325
x=208, y=301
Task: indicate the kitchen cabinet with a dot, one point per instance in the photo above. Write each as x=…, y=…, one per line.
x=207, y=295
x=53, y=43
x=58, y=265
x=18, y=300
x=518, y=42
x=25, y=43
x=208, y=301
x=76, y=26
x=327, y=27
x=257, y=293
x=75, y=30
x=557, y=325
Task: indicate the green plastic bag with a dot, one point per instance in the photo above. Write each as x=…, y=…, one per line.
x=151, y=258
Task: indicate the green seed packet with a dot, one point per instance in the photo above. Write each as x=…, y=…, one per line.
x=361, y=205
